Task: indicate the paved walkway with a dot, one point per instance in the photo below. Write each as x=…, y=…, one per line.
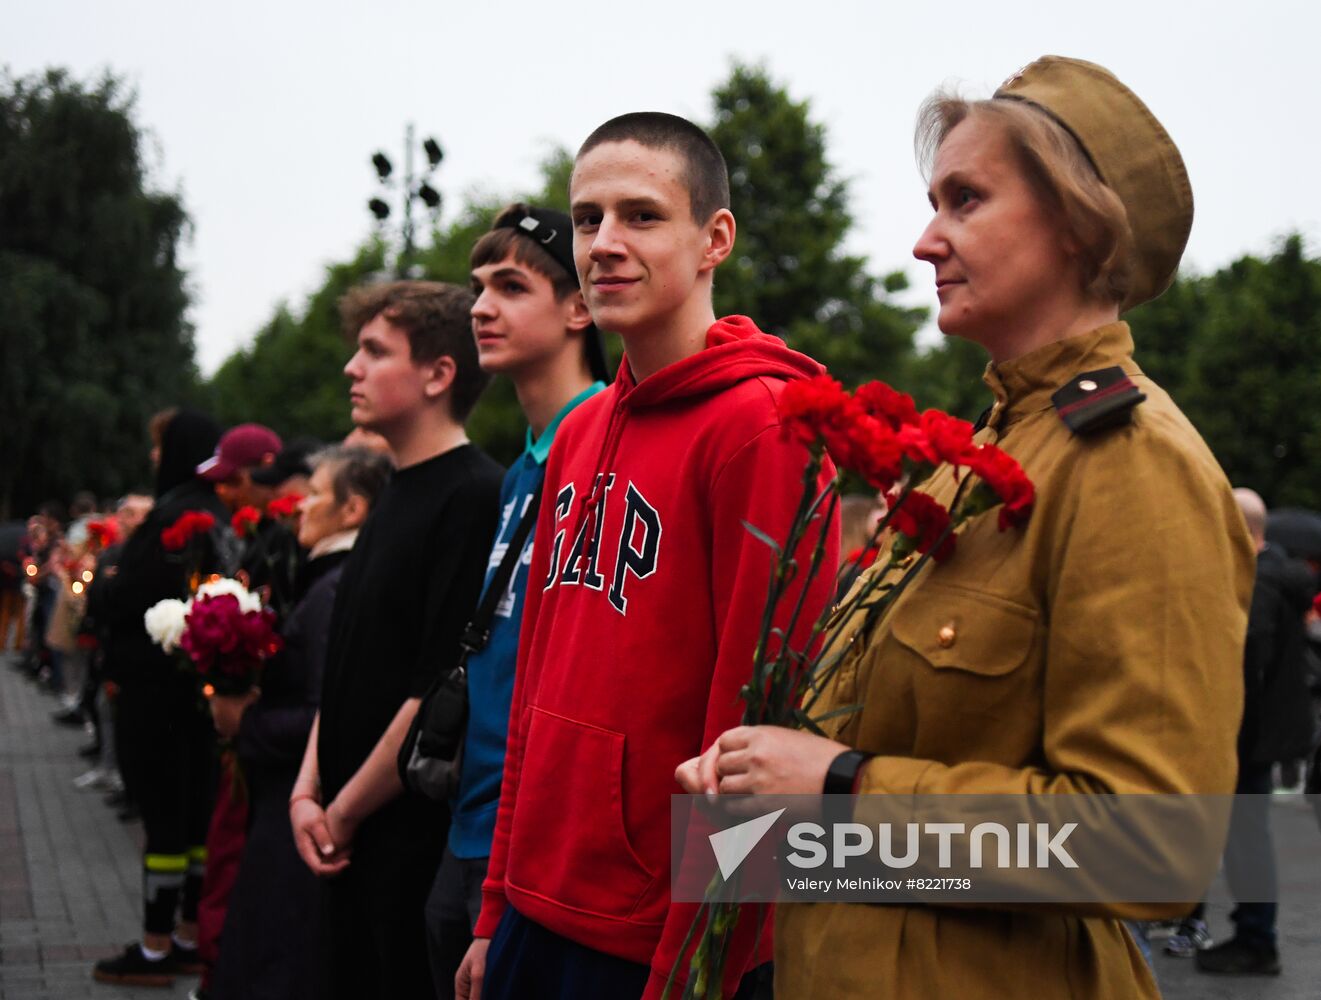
x=70, y=878
x=1298, y=853
x=70, y=872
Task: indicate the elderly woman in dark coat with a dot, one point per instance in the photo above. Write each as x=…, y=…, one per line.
x=268, y=949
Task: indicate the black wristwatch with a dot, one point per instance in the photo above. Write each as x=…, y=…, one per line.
x=843, y=772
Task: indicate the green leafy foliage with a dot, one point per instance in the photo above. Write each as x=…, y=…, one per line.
x=94, y=338
x=291, y=376
x=948, y=377
x=789, y=270
x=1238, y=351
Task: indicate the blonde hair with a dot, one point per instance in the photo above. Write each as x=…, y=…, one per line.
x=1091, y=215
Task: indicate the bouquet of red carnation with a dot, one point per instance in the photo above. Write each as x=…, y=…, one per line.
x=227, y=639
x=102, y=534
x=245, y=521
x=877, y=434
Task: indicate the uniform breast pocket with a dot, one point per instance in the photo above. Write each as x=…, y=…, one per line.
x=974, y=668
x=966, y=631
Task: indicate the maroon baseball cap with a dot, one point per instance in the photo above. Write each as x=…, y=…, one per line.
x=241, y=447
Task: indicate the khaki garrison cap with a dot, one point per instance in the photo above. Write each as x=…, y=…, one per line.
x=1131, y=151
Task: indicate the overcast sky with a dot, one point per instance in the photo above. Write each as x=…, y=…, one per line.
x=264, y=115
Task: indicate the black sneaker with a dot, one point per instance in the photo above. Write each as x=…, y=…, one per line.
x=133, y=968
x=1238, y=958
x=185, y=959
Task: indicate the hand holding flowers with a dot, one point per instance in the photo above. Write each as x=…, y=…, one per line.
x=227, y=711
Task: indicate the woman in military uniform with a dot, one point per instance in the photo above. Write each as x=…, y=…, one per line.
x=1096, y=650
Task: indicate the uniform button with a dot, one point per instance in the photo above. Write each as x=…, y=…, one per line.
x=946, y=636
x=1087, y=385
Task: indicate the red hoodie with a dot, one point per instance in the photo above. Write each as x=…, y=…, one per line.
x=637, y=639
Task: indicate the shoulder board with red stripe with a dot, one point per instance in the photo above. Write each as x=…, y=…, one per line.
x=1099, y=400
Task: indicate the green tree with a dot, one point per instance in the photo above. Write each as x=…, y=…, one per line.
x=497, y=421
x=948, y=376
x=1239, y=348
x=1167, y=333
x=789, y=270
x=291, y=376
x=94, y=337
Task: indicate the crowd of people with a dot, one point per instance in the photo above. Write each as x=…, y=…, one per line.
x=603, y=597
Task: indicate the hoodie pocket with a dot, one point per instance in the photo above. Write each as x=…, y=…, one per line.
x=568, y=844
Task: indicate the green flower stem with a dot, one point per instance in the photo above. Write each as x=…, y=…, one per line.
x=818, y=555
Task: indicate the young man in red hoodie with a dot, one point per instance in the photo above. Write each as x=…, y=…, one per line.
x=646, y=590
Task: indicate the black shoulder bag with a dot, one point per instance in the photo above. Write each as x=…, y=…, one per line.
x=431, y=756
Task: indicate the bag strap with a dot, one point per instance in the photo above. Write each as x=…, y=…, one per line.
x=478, y=631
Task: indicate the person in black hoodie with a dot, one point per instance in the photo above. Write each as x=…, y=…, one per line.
x=268, y=949
x=1277, y=725
x=167, y=747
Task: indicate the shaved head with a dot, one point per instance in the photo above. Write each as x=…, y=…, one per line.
x=1254, y=513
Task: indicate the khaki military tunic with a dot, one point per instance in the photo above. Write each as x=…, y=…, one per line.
x=1098, y=649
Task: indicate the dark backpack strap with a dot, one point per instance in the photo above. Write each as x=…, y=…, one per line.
x=478, y=632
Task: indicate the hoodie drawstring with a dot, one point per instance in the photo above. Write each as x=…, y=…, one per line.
x=605, y=458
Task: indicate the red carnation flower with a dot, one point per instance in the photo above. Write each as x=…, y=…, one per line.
x=936, y=438
x=880, y=400
x=1006, y=479
x=182, y=531
x=809, y=408
x=923, y=520
x=818, y=410
x=245, y=519
x=285, y=506
x=868, y=447
x=103, y=533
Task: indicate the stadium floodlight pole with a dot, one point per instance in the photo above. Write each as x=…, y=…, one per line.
x=412, y=187
x=406, y=258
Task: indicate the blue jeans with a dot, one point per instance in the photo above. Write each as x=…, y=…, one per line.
x=528, y=962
